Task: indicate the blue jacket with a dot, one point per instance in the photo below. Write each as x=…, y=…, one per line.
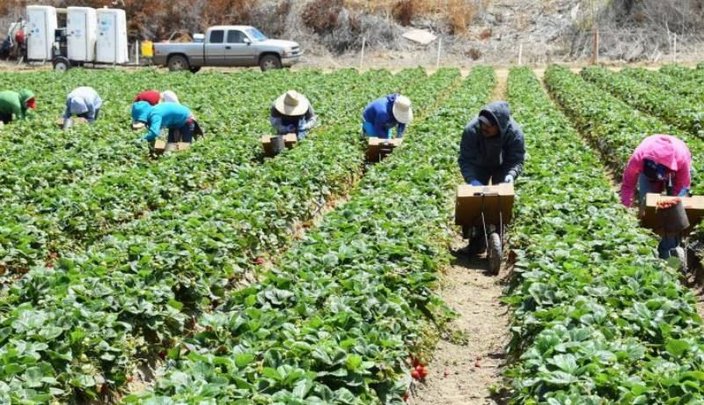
x=504, y=153
x=164, y=115
x=379, y=113
x=83, y=100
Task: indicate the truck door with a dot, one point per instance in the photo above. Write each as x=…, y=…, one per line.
x=215, y=48
x=237, y=51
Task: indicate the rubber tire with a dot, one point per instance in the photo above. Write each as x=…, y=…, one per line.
x=61, y=64
x=177, y=63
x=268, y=62
x=494, y=253
x=194, y=69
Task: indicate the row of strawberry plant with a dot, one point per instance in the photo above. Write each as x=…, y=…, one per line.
x=333, y=323
x=135, y=290
x=106, y=147
x=679, y=111
x=61, y=219
x=666, y=83
x=597, y=318
x=37, y=163
x=609, y=123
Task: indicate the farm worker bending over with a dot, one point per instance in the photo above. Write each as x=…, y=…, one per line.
x=177, y=118
x=83, y=102
x=660, y=163
x=292, y=113
x=384, y=113
x=13, y=104
x=169, y=96
x=492, y=149
x=153, y=97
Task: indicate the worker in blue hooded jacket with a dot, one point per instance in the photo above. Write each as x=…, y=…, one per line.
x=177, y=118
x=492, y=150
x=383, y=114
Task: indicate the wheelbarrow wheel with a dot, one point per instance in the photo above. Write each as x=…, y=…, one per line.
x=494, y=253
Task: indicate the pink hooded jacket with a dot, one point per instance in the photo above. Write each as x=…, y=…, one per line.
x=665, y=150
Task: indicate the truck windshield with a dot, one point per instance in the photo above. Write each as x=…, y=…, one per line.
x=256, y=34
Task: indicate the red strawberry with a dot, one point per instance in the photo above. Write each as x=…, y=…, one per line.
x=415, y=374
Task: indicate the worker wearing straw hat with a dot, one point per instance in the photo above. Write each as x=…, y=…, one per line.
x=383, y=114
x=292, y=113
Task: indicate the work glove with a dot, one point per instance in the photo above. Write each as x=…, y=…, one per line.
x=475, y=182
x=684, y=192
x=508, y=178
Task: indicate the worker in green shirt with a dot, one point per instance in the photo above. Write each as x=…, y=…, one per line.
x=15, y=105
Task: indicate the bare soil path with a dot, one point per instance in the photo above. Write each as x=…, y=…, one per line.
x=467, y=362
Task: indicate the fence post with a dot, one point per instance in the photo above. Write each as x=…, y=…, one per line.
x=674, y=50
x=520, y=53
x=361, y=57
x=437, y=60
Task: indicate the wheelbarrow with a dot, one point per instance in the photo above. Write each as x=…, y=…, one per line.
x=674, y=220
x=489, y=209
x=378, y=148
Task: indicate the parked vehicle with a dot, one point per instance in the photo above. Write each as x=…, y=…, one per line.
x=228, y=45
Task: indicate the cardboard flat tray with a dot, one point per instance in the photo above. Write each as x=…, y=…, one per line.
x=377, y=147
x=290, y=140
x=693, y=206
x=496, y=202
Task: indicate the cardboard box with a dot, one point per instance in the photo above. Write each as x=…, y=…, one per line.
x=378, y=148
x=159, y=147
x=290, y=140
x=496, y=202
x=693, y=206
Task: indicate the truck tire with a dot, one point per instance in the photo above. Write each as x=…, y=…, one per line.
x=178, y=62
x=268, y=62
x=61, y=64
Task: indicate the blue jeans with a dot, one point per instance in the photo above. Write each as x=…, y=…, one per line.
x=182, y=134
x=369, y=130
x=646, y=186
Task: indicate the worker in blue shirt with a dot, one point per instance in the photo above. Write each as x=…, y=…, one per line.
x=383, y=114
x=177, y=118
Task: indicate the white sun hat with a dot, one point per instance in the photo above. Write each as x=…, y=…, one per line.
x=292, y=103
x=169, y=97
x=402, y=110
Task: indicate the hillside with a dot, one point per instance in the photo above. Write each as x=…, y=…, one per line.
x=489, y=31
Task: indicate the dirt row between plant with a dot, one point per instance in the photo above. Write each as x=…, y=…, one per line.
x=468, y=360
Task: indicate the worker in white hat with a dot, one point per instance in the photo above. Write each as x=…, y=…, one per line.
x=383, y=114
x=292, y=113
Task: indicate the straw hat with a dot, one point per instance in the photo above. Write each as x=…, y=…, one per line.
x=292, y=103
x=169, y=97
x=402, y=110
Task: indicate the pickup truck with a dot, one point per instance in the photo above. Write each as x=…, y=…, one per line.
x=228, y=45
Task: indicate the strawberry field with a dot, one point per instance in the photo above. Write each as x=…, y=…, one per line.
x=216, y=275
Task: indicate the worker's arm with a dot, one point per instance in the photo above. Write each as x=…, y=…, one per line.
x=468, y=153
x=515, y=152
x=683, y=178
x=630, y=176
x=276, y=121
x=400, y=130
x=154, y=125
x=311, y=119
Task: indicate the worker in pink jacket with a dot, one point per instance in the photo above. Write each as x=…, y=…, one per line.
x=660, y=163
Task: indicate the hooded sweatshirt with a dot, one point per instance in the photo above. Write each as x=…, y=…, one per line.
x=164, y=115
x=83, y=100
x=666, y=150
x=504, y=153
x=15, y=103
x=380, y=114
x=150, y=96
